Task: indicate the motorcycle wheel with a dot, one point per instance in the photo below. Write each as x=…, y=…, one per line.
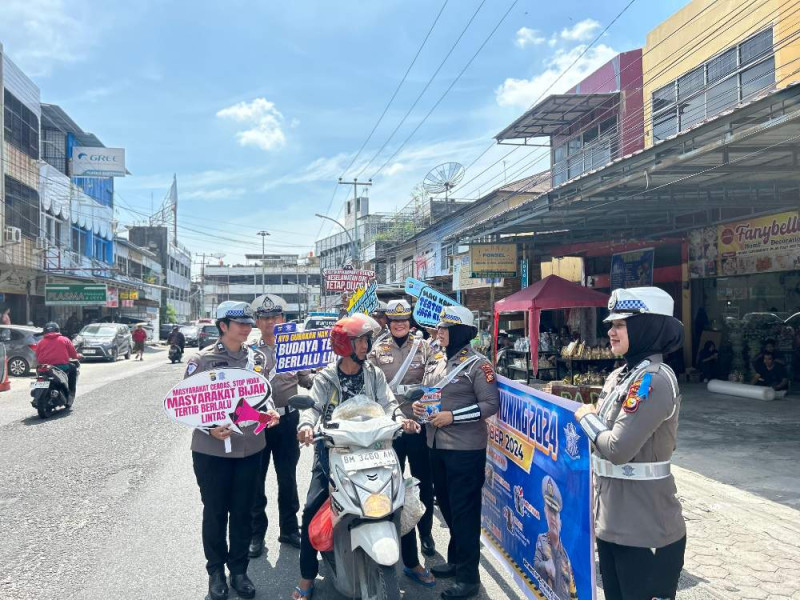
x=381, y=581
x=43, y=406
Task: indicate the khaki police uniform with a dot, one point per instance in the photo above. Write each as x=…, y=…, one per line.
x=550, y=560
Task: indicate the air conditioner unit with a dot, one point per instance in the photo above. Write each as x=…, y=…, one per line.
x=41, y=243
x=13, y=235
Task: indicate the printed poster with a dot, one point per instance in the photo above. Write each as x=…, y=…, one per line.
x=364, y=300
x=346, y=280
x=537, y=500
x=301, y=350
x=430, y=302
x=632, y=269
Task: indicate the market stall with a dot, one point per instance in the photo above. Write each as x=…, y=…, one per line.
x=550, y=293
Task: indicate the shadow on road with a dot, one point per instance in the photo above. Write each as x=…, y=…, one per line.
x=35, y=419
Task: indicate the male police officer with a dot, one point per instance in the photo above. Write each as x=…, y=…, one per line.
x=551, y=562
x=379, y=314
x=457, y=438
x=281, y=440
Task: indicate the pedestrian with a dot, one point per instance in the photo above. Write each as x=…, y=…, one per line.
x=351, y=375
x=139, y=338
x=6, y=318
x=457, y=438
x=227, y=479
x=402, y=358
x=281, y=447
x=641, y=535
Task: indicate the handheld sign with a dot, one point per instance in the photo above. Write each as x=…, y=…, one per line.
x=301, y=350
x=364, y=300
x=432, y=401
x=429, y=304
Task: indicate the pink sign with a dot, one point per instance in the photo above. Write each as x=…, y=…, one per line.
x=346, y=280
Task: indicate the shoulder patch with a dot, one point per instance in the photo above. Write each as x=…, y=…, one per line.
x=488, y=372
x=637, y=393
x=438, y=356
x=191, y=367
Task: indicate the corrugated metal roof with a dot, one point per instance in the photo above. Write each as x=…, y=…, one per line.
x=554, y=114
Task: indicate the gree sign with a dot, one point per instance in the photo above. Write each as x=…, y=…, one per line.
x=57, y=294
x=98, y=162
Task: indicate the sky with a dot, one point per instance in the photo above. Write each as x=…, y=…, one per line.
x=259, y=107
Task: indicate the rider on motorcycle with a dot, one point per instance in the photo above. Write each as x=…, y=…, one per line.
x=56, y=350
x=177, y=338
x=351, y=339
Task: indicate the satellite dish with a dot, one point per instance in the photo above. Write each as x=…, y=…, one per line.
x=443, y=178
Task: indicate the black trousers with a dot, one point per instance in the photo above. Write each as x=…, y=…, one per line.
x=317, y=494
x=413, y=446
x=282, y=448
x=458, y=477
x=631, y=573
x=226, y=489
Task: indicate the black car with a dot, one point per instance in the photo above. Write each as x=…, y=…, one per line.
x=108, y=341
x=191, y=335
x=208, y=335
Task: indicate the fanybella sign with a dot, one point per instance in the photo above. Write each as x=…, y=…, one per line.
x=98, y=162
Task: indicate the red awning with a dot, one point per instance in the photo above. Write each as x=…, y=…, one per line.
x=550, y=293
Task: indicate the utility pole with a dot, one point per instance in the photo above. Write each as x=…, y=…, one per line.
x=263, y=235
x=203, y=256
x=356, y=207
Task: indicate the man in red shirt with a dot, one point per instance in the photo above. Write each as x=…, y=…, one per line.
x=139, y=336
x=56, y=350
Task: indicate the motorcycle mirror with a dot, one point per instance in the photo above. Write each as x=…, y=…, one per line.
x=414, y=395
x=301, y=402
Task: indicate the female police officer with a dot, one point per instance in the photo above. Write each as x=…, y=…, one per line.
x=457, y=438
x=402, y=358
x=641, y=536
x=227, y=479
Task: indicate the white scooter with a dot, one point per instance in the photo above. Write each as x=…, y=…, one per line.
x=367, y=494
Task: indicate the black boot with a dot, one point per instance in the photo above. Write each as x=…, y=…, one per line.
x=462, y=590
x=243, y=586
x=292, y=538
x=428, y=545
x=217, y=587
x=256, y=547
x=443, y=571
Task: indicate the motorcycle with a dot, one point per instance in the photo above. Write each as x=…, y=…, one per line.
x=51, y=389
x=174, y=354
x=367, y=493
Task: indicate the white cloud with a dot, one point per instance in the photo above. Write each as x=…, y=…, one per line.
x=265, y=123
x=41, y=34
x=528, y=37
x=217, y=194
x=524, y=92
x=582, y=31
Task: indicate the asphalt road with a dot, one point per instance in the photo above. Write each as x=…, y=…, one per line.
x=101, y=502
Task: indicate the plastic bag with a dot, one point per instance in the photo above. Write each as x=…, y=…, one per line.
x=413, y=508
x=320, y=530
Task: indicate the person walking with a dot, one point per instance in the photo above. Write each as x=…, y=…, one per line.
x=6, y=318
x=457, y=438
x=641, y=535
x=139, y=336
x=281, y=447
x=402, y=359
x=227, y=479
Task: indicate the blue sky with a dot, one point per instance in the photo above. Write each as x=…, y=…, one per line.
x=259, y=106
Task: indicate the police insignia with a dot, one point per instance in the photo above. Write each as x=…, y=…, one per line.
x=438, y=356
x=637, y=393
x=488, y=372
x=191, y=368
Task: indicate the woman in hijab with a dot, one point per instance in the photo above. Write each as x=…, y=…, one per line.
x=641, y=536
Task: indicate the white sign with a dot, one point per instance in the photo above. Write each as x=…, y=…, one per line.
x=98, y=162
x=462, y=279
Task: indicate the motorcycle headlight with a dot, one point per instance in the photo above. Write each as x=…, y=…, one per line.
x=377, y=505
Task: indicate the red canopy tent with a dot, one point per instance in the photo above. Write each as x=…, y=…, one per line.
x=550, y=293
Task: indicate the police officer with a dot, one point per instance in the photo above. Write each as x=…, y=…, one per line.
x=457, y=438
x=402, y=358
x=641, y=536
x=281, y=441
x=227, y=478
x=379, y=314
x=551, y=562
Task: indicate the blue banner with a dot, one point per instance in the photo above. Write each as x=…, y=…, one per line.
x=364, y=300
x=523, y=269
x=301, y=350
x=429, y=304
x=284, y=328
x=537, y=513
x=632, y=269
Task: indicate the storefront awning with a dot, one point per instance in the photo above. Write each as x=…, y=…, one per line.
x=554, y=115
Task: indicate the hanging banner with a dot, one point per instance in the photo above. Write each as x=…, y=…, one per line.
x=301, y=350
x=523, y=269
x=462, y=279
x=364, y=300
x=537, y=513
x=759, y=245
x=493, y=260
x=346, y=280
x=79, y=294
x=112, y=299
x=430, y=302
x=632, y=269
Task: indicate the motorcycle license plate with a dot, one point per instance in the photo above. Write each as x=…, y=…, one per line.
x=371, y=459
x=36, y=385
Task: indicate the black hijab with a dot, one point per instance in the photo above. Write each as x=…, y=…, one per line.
x=651, y=334
x=400, y=341
x=460, y=336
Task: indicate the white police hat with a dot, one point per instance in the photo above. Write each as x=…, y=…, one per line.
x=380, y=309
x=625, y=303
x=398, y=310
x=236, y=311
x=456, y=315
x=268, y=305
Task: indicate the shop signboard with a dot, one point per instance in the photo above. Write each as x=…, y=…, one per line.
x=98, y=162
x=112, y=300
x=536, y=453
x=493, y=260
x=632, y=269
x=523, y=269
x=462, y=279
x=78, y=294
x=430, y=302
x=129, y=295
x=759, y=245
x=346, y=280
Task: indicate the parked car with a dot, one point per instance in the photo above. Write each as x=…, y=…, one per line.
x=191, y=334
x=108, y=341
x=165, y=329
x=209, y=334
x=20, y=342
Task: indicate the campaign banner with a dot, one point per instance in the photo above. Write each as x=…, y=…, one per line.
x=537, y=512
x=632, y=269
x=301, y=350
x=284, y=328
x=364, y=300
x=429, y=304
x=346, y=280
x=217, y=397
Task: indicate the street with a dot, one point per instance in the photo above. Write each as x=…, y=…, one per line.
x=102, y=503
